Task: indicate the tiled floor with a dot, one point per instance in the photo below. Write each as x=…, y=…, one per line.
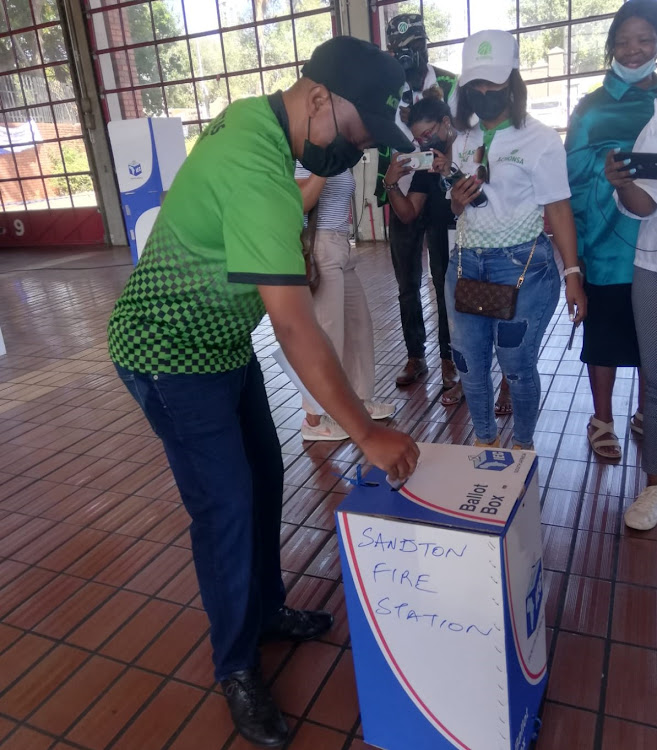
x=102, y=639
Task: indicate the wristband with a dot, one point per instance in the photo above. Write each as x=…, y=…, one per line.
x=571, y=270
x=388, y=187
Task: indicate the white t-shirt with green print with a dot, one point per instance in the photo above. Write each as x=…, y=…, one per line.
x=527, y=171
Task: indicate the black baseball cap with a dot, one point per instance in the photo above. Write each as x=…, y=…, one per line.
x=404, y=29
x=369, y=78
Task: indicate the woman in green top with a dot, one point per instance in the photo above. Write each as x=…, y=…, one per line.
x=611, y=118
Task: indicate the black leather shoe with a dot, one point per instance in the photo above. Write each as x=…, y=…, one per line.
x=254, y=712
x=297, y=625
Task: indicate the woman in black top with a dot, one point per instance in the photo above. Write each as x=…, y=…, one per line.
x=430, y=121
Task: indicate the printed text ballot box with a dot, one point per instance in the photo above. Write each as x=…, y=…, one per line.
x=443, y=582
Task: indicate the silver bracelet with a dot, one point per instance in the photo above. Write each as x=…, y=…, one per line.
x=388, y=187
x=572, y=269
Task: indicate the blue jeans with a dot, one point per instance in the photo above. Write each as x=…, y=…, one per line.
x=517, y=342
x=224, y=453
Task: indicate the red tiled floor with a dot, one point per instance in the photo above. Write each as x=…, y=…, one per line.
x=161, y=718
x=96, y=570
x=114, y=709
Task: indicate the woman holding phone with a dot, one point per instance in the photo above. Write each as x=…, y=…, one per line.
x=516, y=175
x=430, y=122
x=611, y=117
x=638, y=199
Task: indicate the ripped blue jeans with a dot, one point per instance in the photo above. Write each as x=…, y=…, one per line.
x=516, y=342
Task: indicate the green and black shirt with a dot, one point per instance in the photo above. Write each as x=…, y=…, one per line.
x=231, y=220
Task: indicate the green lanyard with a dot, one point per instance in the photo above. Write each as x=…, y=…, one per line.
x=488, y=137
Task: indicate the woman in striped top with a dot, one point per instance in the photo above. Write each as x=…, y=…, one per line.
x=340, y=303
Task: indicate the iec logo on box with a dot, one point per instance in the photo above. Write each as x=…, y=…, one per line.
x=534, y=598
x=134, y=168
x=492, y=460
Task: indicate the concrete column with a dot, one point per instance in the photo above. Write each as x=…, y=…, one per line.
x=93, y=123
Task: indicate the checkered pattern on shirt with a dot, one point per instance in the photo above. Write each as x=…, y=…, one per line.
x=179, y=314
x=490, y=233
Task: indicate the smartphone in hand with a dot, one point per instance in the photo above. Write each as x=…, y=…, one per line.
x=421, y=160
x=645, y=164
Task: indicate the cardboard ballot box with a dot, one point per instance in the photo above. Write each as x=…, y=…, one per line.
x=443, y=582
x=147, y=155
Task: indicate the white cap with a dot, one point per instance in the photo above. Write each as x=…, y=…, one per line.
x=489, y=56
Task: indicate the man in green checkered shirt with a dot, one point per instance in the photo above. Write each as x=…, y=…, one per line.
x=224, y=251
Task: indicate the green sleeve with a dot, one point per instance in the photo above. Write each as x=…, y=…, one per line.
x=262, y=225
x=581, y=159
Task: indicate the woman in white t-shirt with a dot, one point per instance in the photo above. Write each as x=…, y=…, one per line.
x=340, y=303
x=638, y=199
x=517, y=174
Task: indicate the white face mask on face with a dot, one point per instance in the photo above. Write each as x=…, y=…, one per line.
x=633, y=75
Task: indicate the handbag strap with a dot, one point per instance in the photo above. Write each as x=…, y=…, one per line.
x=459, y=243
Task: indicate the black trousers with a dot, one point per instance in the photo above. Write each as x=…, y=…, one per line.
x=406, y=242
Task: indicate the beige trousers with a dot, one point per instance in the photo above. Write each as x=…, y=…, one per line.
x=341, y=309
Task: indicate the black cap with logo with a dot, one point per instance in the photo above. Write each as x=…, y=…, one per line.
x=370, y=79
x=404, y=29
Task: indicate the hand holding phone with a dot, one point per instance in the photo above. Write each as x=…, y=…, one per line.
x=618, y=171
x=640, y=165
x=455, y=177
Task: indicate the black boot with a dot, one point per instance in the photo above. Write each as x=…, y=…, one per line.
x=254, y=712
x=296, y=625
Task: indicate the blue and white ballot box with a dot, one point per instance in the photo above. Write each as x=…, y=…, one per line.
x=147, y=154
x=443, y=583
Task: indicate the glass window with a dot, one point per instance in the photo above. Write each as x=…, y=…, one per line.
x=200, y=54
x=276, y=43
x=137, y=23
x=201, y=15
x=168, y=19
x=174, y=61
x=560, y=61
x=241, y=50
x=311, y=31
x=41, y=130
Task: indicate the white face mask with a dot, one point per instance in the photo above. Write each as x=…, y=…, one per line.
x=633, y=75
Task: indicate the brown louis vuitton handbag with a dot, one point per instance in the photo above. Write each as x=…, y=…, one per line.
x=485, y=298
x=308, y=244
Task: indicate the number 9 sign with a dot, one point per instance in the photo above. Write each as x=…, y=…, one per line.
x=19, y=228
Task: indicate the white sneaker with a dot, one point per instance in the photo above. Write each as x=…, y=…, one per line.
x=327, y=429
x=377, y=410
x=642, y=514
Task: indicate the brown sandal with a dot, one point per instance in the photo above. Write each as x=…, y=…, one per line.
x=503, y=405
x=452, y=396
x=596, y=431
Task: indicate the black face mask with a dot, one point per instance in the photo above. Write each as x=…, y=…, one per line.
x=414, y=61
x=436, y=143
x=332, y=159
x=488, y=106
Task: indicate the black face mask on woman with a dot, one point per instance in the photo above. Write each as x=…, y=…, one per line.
x=488, y=106
x=338, y=156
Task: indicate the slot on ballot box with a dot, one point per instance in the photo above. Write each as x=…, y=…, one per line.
x=443, y=583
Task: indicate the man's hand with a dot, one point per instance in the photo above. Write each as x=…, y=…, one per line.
x=313, y=358
x=393, y=451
